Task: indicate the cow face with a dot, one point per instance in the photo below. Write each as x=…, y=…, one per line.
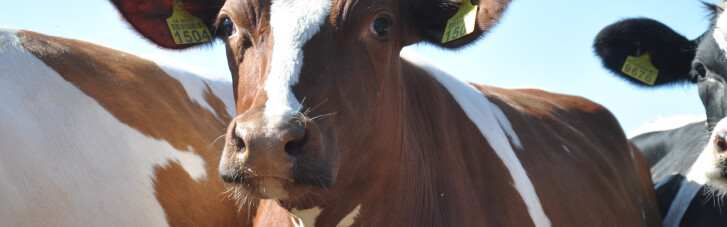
x=308, y=91
x=701, y=61
x=709, y=68
x=712, y=163
x=317, y=84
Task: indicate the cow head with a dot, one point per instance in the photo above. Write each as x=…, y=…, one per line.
x=316, y=82
x=702, y=61
x=711, y=166
x=679, y=60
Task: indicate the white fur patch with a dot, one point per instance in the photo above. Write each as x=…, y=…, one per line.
x=494, y=126
x=293, y=23
x=192, y=163
x=195, y=79
x=65, y=160
x=305, y=218
x=666, y=123
x=720, y=32
x=350, y=217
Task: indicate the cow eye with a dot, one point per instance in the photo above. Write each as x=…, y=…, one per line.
x=380, y=27
x=701, y=70
x=228, y=28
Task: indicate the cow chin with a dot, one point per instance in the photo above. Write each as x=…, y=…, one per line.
x=717, y=184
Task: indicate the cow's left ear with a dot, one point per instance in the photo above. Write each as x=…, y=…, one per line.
x=149, y=18
x=453, y=23
x=645, y=52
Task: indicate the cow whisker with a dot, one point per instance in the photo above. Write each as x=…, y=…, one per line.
x=301, y=105
x=323, y=116
x=217, y=139
x=311, y=109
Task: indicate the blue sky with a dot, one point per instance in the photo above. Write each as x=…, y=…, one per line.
x=538, y=43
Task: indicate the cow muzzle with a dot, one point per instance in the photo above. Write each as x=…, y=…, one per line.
x=720, y=151
x=275, y=159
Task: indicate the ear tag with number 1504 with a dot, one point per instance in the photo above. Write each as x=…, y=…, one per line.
x=185, y=27
x=462, y=23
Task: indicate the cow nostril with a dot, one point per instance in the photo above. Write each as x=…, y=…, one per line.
x=237, y=143
x=295, y=147
x=720, y=141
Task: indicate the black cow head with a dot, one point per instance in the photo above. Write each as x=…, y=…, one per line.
x=634, y=49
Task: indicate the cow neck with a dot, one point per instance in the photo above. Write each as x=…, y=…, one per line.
x=417, y=166
x=435, y=167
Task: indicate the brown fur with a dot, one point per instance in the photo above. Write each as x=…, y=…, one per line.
x=139, y=94
x=399, y=144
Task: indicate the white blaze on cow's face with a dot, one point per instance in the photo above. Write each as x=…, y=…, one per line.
x=293, y=23
x=720, y=30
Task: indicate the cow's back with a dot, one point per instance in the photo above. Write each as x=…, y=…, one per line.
x=589, y=164
x=96, y=137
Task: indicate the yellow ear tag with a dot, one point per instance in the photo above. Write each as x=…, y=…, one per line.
x=640, y=68
x=185, y=27
x=462, y=23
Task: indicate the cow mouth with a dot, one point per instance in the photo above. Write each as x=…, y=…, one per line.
x=722, y=166
x=717, y=184
x=247, y=187
x=260, y=187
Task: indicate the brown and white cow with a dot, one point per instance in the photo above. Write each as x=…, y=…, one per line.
x=92, y=136
x=337, y=128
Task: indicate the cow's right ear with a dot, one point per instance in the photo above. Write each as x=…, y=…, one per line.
x=453, y=23
x=149, y=18
x=634, y=45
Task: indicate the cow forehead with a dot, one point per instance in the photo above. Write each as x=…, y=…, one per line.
x=720, y=31
x=293, y=23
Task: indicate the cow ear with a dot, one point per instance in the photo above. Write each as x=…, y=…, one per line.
x=149, y=18
x=638, y=45
x=448, y=23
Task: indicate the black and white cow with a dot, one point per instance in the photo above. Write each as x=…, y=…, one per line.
x=681, y=166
